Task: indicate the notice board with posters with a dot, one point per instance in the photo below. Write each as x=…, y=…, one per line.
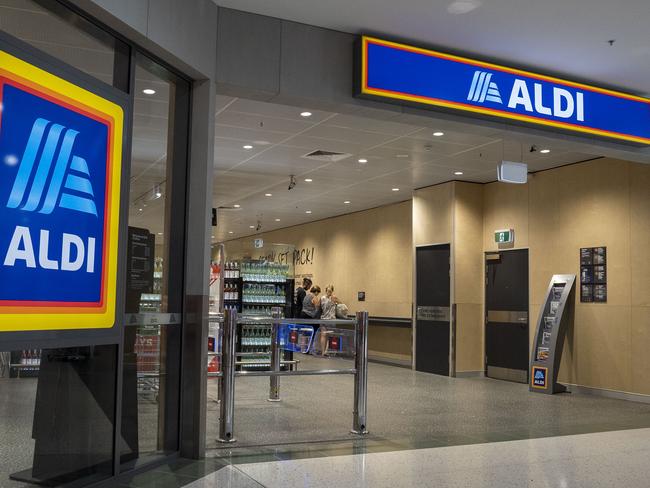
x=593, y=274
x=555, y=317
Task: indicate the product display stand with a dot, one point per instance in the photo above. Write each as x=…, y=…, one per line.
x=555, y=316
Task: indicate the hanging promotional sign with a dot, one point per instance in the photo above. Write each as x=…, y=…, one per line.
x=405, y=73
x=60, y=168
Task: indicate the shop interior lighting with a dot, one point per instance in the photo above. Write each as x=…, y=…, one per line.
x=347, y=202
x=308, y=180
x=268, y=194
x=545, y=151
x=395, y=189
x=363, y=160
x=247, y=147
x=305, y=114
x=401, y=155
x=438, y=134
x=307, y=211
x=458, y=173
x=236, y=205
x=149, y=91
x=251, y=226
x=230, y=232
x=277, y=220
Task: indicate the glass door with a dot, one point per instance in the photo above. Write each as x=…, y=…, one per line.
x=155, y=260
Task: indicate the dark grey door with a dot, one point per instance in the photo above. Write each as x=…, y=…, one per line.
x=506, y=315
x=432, y=309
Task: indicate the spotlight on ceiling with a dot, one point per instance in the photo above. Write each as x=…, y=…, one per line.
x=149, y=91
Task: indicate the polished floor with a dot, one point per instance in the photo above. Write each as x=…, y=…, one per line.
x=304, y=440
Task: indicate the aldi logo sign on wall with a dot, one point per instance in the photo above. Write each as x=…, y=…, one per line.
x=60, y=166
x=539, y=377
x=405, y=73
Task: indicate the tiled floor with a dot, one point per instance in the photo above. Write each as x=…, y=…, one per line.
x=599, y=460
x=410, y=414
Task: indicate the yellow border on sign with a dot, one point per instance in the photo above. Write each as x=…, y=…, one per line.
x=75, y=317
x=486, y=111
x=532, y=379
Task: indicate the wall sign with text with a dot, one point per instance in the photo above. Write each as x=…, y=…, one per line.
x=60, y=169
x=402, y=73
x=593, y=274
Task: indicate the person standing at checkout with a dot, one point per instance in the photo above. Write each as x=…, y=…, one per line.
x=301, y=292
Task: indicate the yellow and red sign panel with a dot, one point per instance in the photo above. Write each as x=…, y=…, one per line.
x=60, y=171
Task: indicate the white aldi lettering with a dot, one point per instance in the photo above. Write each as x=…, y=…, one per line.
x=565, y=106
x=74, y=252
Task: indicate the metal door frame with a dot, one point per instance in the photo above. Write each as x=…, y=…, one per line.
x=499, y=251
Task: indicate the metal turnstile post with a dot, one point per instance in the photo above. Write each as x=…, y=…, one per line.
x=276, y=353
x=227, y=387
x=359, y=425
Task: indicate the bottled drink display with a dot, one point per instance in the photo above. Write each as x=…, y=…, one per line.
x=264, y=293
x=255, y=338
x=264, y=272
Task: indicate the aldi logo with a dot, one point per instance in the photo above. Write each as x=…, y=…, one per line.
x=60, y=167
x=539, y=377
x=483, y=89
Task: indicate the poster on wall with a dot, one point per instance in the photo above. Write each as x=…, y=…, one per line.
x=593, y=274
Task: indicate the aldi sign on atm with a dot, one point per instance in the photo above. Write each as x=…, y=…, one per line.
x=60, y=167
x=393, y=71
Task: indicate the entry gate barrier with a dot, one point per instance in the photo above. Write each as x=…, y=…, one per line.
x=228, y=371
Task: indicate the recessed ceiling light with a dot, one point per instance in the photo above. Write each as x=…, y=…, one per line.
x=459, y=7
x=346, y=202
x=401, y=155
x=545, y=151
x=395, y=189
x=149, y=91
x=305, y=114
x=268, y=194
x=213, y=237
x=308, y=180
x=230, y=232
x=140, y=210
x=236, y=205
x=251, y=226
x=458, y=173
x=363, y=160
x=160, y=233
x=247, y=146
x=277, y=220
x=308, y=211
x=438, y=134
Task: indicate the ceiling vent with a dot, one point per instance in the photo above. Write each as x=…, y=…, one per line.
x=328, y=156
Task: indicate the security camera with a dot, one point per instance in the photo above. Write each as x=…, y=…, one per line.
x=259, y=226
x=292, y=182
x=533, y=148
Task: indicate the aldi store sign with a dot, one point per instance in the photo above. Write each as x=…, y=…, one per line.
x=60, y=165
x=399, y=72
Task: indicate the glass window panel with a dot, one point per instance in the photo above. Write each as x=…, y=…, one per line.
x=54, y=29
x=154, y=266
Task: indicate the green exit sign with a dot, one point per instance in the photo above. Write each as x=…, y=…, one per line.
x=504, y=236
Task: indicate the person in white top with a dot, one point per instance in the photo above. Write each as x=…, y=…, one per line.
x=328, y=303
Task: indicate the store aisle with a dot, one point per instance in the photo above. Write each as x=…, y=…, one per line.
x=578, y=461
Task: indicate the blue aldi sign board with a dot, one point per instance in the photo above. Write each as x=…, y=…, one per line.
x=60, y=163
x=405, y=73
x=539, y=379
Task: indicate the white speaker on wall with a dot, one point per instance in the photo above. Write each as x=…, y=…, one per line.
x=511, y=172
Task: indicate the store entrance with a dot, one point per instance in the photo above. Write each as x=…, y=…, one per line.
x=506, y=315
x=432, y=309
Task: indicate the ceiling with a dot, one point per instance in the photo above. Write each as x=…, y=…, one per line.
x=398, y=156
x=554, y=36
